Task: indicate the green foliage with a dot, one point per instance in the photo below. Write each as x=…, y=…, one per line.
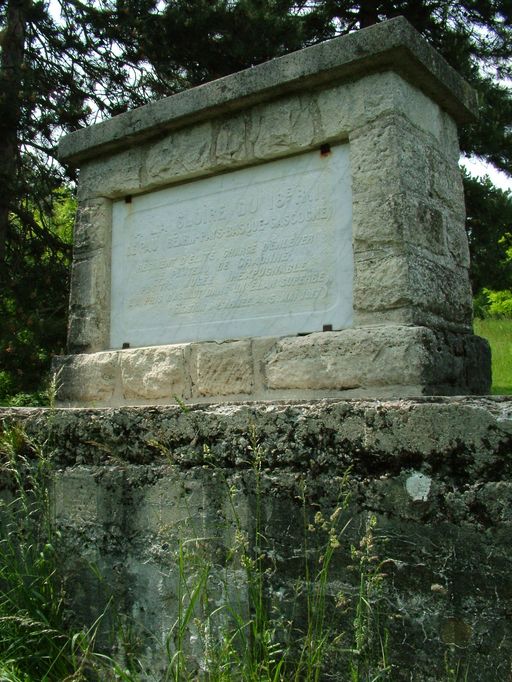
x=188, y=43
x=37, y=641
x=36, y=399
x=33, y=300
x=33, y=643
x=489, y=230
x=493, y=304
x=499, y=334
x=56, y=74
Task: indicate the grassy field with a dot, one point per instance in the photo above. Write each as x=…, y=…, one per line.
x=499, y=335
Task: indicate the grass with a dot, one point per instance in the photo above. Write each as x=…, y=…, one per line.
x=239, y=641
x=33, y=642
x=255, y=641
x=247, y=642
x=36, y=642
x=499, y=335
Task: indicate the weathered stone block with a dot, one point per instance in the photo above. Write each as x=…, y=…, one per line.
x=164, y=508
x=281, y=128
x=86, y=378
x=457, y=241
x=386, y=356
x=222, y=368
x=349, y=359
x=348, y=107
x=113, y=176
x=343, y=108
x=401, y=219
x=87, y=330
x=92, y=226
x=387, y=281
x=154, y=373
x=390, y=153
x=184, y=154
x=433, y=475
x=425, y=114
x=445, y=181
x=75, y=499
x=449, y=138
x=231, y=141
x=434, y=361
x=80, y=500
x=89, y=281
x=446, y=292
x=389, y=45
x=381, y=281
x=90, y=298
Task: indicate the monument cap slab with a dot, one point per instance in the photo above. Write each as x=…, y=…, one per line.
x=295, y=230
x=393, y=44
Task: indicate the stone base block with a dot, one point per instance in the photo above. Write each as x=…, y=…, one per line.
x=383, y=361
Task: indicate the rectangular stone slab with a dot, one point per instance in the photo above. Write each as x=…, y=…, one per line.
x=391, y=44
x=266, y=250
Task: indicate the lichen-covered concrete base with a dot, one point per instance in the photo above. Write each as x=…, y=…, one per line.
x=131, y=484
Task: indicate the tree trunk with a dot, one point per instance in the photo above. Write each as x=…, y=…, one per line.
x=11, y=75
x=368, y=14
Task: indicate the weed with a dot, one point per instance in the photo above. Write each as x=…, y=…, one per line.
x=226, y=626
x=181, y=404
x=455, y=670
x=369, y=659
x=254, y=642
x=45, y=396
x=52, y=387
x=35, y=643
x=31, y=601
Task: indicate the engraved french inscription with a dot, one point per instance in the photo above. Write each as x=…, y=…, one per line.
x=262, y=251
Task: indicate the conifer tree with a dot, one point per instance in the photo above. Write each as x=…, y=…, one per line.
x=56, y=74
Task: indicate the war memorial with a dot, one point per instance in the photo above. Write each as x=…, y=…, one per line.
x=271, y=319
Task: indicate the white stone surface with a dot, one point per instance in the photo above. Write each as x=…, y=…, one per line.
x=418, y=486
x=262, y=251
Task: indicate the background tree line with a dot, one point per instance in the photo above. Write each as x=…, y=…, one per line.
x=71, y=64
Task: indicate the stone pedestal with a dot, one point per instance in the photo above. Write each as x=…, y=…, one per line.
x=295, y=230
x=137, y=489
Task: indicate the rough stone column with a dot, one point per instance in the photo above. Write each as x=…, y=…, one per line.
x=410, y=251
x=90, y=277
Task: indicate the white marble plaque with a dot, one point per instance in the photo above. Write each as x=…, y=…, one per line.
x=263, y=251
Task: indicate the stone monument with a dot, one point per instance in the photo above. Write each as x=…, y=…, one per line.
x=292, y=231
